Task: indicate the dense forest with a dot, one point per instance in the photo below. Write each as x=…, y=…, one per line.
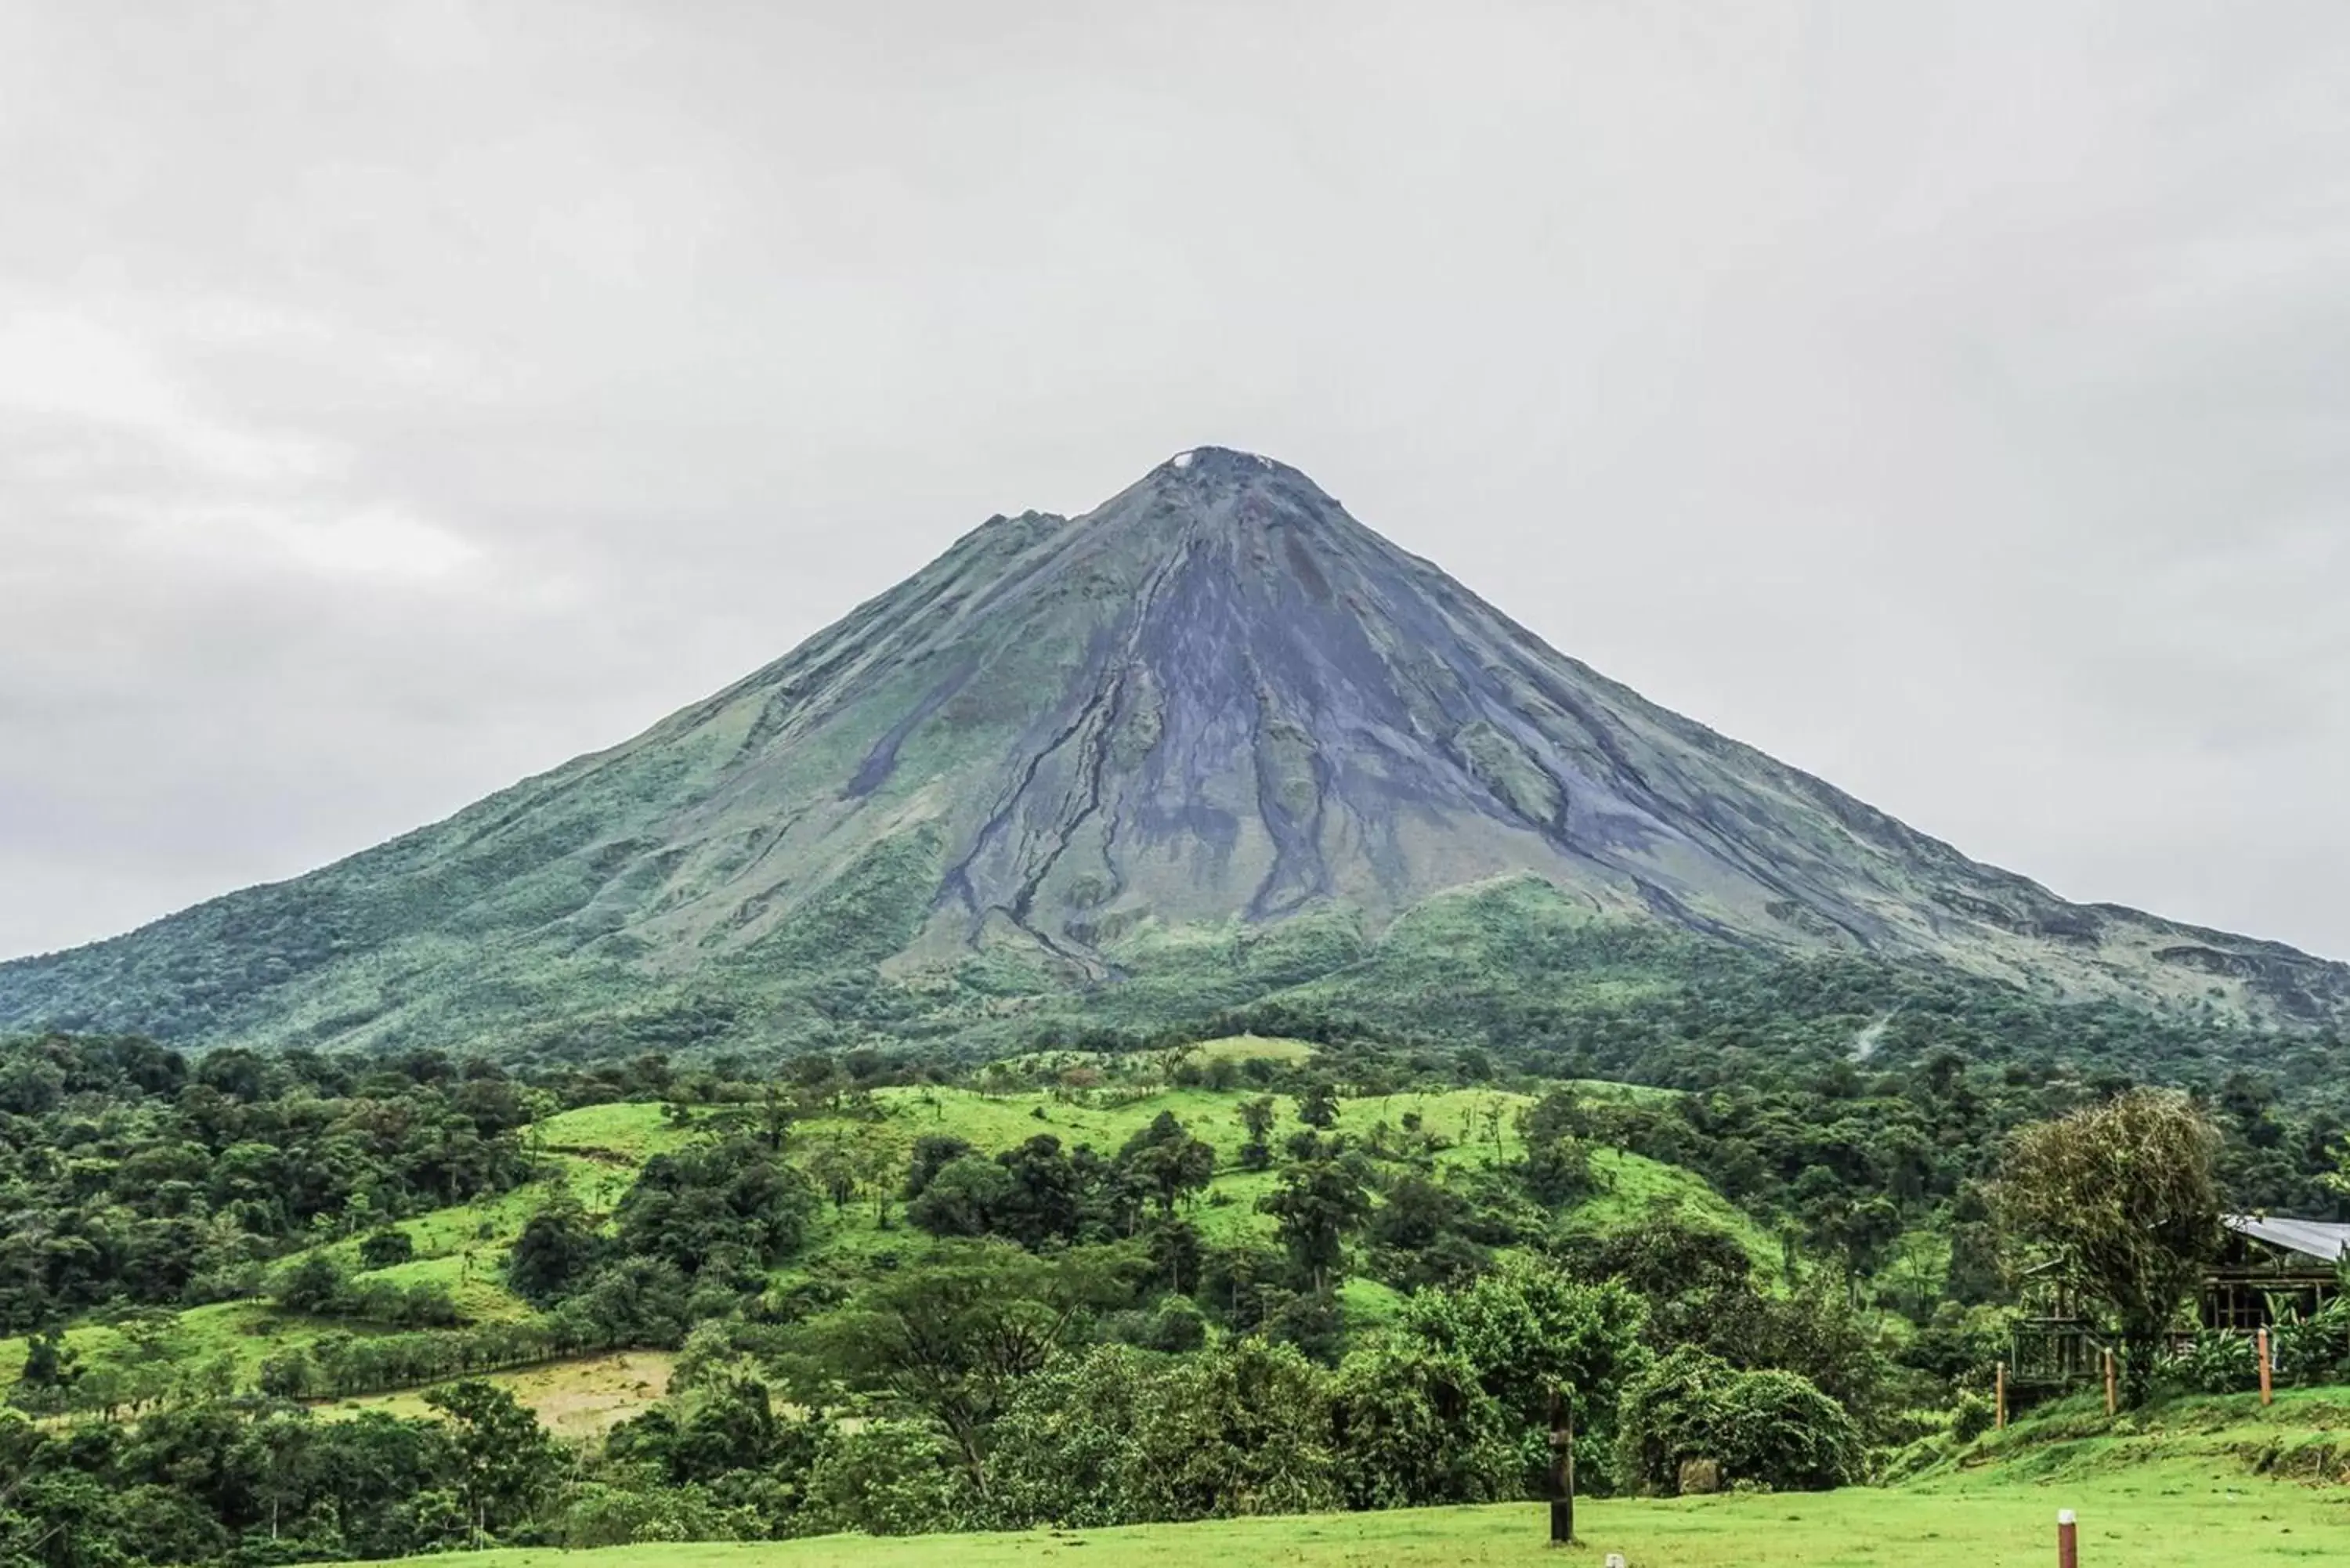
x=1032, y=1328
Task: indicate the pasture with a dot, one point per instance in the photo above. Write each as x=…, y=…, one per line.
x=2151, y=1521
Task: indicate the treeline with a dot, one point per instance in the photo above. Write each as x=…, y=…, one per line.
x=987, y=1391
x=130, y=1175
x=992, y=1393
x=339, y=1366
x=256, y=1481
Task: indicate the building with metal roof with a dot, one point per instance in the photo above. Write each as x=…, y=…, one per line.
x=2271, y=1262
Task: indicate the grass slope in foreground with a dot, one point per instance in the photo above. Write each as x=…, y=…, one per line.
x=2203, y=1483
x=2257, y=1522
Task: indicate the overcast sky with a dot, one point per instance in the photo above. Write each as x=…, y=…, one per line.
x=397, y=399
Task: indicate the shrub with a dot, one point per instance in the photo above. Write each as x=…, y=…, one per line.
x=890, y=1478
x=1178, y=1326
x=1767, y=1427
x=384, y=1249
x=1778, y=1430
x=1971, y=1417
x=2312, y=1350
x=2219, y=1361
x=596, y=1513
x=1416, y=1427
x=1119, y=1435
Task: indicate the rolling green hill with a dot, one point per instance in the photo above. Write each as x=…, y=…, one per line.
x=1213, y=743
x=592, y=1155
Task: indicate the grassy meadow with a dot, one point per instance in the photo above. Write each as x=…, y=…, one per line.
x=582, y=1397
x=2157, y=1519
x=2195, y=1483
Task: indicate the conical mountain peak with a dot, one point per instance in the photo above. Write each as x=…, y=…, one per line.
x=1214, y=703
x=1215, y=464
x=1208, y=488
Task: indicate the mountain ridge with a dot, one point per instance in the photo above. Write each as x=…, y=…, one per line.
x=1215, y=698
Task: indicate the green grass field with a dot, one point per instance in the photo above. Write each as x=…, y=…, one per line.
x=1250, y=1048
x=2197, y=1483
x=2123, y=1525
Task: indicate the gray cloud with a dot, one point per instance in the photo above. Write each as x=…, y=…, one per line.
x=396, y=400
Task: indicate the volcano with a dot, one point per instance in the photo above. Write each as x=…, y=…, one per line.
x=1214, y=705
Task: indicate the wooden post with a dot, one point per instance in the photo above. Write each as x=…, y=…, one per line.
x=1999, y=1399
x=1562, y=1471
x=2113, y=1393
x=2068, y=1539
x=2267, y=1392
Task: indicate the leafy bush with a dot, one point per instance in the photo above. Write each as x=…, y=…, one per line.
x=318, y=1285
x=597, y=1513
x=1972, y=1417
x=1119, y=1436
x=2312, y=1350
x=1767, y=1427
x=1416, y=1427
x=384, y=1249
x=2219, y=1361
x=2302, y=1352
x=890, y=1478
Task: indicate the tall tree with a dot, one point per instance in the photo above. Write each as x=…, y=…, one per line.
x=506, y=1458
x=1168, y=1161
x=1257, y=1116
x=2121, y=1198
x=953, y=1338
x=1317, y=1207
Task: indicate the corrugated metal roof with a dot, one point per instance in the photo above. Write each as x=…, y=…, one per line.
x=2327, y=1242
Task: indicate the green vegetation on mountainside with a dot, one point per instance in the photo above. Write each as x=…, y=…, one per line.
x=1079, y=770
x=1514, y=968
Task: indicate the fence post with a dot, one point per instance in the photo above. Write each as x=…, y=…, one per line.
x=1562, y=1471
x=2113, y=1399
x=1999, y=1399
x=2068, y=1539
x=2267, y=1391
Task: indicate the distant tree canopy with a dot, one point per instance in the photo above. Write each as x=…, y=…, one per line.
x=129, y=1175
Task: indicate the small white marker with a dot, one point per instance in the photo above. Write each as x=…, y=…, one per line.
x=2065, y=1516
x=1615, y=1559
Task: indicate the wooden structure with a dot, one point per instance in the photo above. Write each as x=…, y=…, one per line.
x=2268, y=1268
x=2052, y=1343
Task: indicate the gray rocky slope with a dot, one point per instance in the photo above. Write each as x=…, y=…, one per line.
x=1215, y=698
